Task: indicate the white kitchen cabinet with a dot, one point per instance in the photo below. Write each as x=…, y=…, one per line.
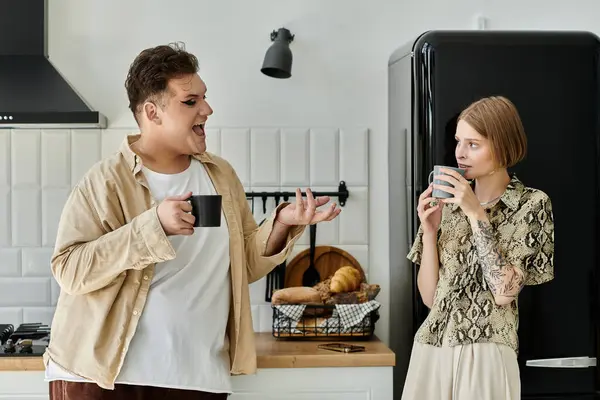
x=25, y=396
x=312, y=395
x=347, y=383
x=25, y=385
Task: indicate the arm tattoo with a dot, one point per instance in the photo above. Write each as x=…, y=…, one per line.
x=502, y=278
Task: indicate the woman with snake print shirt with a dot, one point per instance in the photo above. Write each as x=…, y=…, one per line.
x=476, y=251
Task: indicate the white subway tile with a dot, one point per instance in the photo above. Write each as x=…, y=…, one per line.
x=5, y=217
x=258, y=291
x=4, y=157
x=304, y=240
x=354, y=219
x=11, y=315
x=25, y=157
x=294, y=158
x=266, y=318
x=56, y=158
x=112, y=140
x=213, y=141
x=53, y=201
x=36, y=262
x=235, y=148
x=21, y=292
x=324, y=157
x=354, y=156
x=264, y=160
x=43, y=315
x=326, y=235
x=85, y=152
x=26, y=221
x=10, y=262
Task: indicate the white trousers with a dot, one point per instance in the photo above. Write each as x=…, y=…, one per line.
x=479, y=371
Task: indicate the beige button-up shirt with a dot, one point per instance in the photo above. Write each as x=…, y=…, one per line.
x=109, y=240
x=464, y=310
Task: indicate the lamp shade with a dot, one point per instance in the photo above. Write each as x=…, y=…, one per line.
x=278, y=59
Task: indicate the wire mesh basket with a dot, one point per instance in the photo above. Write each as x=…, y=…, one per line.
x=343, y=322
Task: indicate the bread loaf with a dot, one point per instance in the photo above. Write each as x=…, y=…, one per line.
x=297, y=295
x=324, y=289
x=345, y=279
x=366, y=292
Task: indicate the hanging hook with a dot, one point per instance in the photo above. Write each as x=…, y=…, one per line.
x=264, y=199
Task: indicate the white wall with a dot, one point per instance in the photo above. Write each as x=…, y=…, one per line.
x=340, y=64
x=43, y=165
x=339, y=74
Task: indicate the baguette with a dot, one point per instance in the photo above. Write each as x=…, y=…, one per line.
x=297, y=295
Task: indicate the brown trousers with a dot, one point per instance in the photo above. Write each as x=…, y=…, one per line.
x=63, y=390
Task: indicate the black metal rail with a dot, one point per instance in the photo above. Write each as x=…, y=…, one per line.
x=342, y=194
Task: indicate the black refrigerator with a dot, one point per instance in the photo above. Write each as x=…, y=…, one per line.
x=553, y=79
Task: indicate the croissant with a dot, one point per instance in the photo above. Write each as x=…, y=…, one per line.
x=345, y=279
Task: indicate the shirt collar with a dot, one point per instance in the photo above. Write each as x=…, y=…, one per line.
x=135, y=162
x=511, y=196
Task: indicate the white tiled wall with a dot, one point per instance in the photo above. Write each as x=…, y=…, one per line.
x=38, y=169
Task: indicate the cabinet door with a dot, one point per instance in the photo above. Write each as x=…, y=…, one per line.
x=302, y=396
x=25, y=397
x=25, y=385
x=326, y=383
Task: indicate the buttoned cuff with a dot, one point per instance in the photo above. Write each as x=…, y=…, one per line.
x=154, y=236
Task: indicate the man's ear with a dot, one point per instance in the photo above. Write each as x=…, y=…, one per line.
x=150, y=110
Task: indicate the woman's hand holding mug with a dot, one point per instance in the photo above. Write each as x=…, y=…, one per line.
x=429, y=210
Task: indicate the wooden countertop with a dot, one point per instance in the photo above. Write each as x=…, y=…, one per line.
x=282, y=353
x=21, y=364
x=273, y=353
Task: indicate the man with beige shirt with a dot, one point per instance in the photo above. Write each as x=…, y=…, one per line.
x=151, y=307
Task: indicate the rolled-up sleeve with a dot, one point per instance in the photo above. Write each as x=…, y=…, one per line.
x=416, y=250
x=533, y=247
x=88, y=257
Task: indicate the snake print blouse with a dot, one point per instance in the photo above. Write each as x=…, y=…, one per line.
x=464, y=310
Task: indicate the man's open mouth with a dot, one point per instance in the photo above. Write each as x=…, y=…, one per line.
x=198, y=129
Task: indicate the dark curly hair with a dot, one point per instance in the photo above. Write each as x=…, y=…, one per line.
x=151, y=71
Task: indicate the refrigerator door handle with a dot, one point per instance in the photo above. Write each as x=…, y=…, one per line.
x=568, y=362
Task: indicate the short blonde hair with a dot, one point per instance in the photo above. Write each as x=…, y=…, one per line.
x=497, y=119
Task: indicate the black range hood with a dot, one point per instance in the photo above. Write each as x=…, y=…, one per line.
x=33, y=94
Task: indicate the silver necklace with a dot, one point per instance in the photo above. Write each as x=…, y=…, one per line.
x=485, y=203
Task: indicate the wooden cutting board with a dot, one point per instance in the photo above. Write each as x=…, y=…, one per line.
x=328, y=259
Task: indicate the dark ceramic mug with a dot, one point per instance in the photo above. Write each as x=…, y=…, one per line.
x=207, y=210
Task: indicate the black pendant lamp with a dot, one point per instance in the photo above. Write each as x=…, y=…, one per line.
x=278, y=59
